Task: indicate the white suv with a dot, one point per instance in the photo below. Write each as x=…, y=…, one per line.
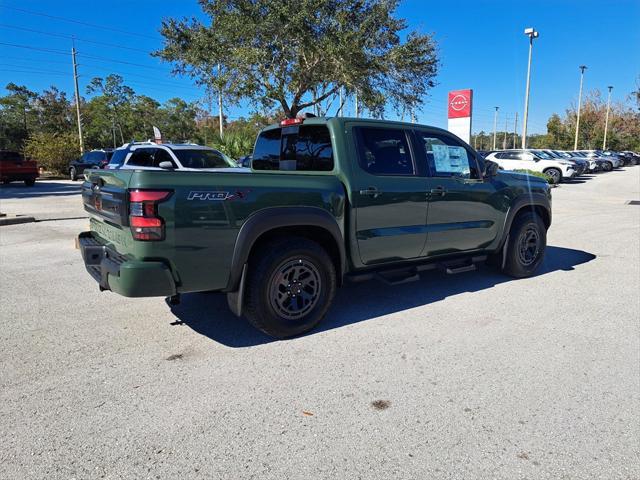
x=538, y=161
x=171, y=156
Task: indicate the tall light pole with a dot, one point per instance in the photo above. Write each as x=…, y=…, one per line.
x=582, y=69
x=495, y=126
x=531, y=33
x=606, y=119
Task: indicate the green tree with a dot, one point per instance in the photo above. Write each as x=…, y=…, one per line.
x=118, y=100
x=17, y=116
x=52, y=151
x=179, y=122
x=296, y=54
x=146, y=114
x=54, y=111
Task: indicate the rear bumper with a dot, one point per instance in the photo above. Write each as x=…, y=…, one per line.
x=18, y=176
x=115, y=272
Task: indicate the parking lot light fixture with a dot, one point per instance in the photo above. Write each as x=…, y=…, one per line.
x=606, y=119
x=531, y=33
x=575, y=143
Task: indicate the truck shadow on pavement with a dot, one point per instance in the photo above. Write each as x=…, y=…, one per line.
x=40, y=189
x=208, y=314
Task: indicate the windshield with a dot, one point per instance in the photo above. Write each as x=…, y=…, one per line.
x=541, y=154
x=203, y=159
x=553, y=154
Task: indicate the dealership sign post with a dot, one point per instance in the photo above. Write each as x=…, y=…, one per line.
x=460, y=109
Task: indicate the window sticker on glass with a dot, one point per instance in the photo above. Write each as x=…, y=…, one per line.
x=450, y=159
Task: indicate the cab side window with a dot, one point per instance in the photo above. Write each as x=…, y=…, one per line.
x=298, y=147
x=384, y=151
x=142, y=157
x=160, y=156
x=448, y=158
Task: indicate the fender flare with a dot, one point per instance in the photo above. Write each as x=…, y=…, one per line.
x=272, y=218
x=520, y=203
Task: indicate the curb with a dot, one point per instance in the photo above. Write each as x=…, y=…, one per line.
x=15, y=219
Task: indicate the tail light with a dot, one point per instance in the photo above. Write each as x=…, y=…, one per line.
x=145, y=223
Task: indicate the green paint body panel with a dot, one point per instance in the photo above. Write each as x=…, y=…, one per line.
x=403, y=224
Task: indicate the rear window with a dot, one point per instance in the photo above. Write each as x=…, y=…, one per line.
x=10, y=157
x=117, y=159
x=305, y=148
x=203, y=159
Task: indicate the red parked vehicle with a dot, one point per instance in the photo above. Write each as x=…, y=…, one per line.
x=14, y=168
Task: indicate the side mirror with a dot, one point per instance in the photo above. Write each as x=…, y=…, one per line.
x=166, y=165
x=490, y=169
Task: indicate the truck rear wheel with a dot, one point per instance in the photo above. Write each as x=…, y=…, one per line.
x=527, y=244
x=290, y=287
x=30, y=182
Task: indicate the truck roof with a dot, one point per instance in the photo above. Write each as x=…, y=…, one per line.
x=343, y=120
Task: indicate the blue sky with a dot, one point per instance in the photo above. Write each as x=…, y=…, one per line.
x=481, y=45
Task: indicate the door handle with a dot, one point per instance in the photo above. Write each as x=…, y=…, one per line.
x=371, y=192
x=438, y=192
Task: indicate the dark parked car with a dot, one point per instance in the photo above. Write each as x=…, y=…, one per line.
x=92, y=159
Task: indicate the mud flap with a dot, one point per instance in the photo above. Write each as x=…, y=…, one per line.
x=235, y=299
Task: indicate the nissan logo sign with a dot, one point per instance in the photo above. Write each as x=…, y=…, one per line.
x=459, y=103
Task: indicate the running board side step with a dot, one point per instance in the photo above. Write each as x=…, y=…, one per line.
x=461, y=269
x=399, y=276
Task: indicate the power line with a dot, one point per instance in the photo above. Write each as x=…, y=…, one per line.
x=123, y=62
x=61, y=52
x=40, y=49
x=35, y=72
x=93, y=66
x=30, y=68
x=78, y=22
x=71, y=37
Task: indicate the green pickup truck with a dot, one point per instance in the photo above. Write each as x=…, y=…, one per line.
x=328, y=200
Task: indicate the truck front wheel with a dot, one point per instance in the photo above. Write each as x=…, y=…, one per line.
x=527, y=244
x=290, y=286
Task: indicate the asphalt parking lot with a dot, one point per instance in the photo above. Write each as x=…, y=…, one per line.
x=452, y=377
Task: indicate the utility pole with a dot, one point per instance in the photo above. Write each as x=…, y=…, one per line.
x=531, y=33
x=220, y=114
x=77, y=96
x=515, y=129
x=504, y=139
x=495, y=126
x=606, y=119
x=575, y=143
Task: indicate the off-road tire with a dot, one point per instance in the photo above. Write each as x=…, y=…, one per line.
x=264, y=286
x=73, y=175
x=519, y=263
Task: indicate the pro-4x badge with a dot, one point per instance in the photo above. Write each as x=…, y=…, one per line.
x=194, y=195
x=215, y=196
